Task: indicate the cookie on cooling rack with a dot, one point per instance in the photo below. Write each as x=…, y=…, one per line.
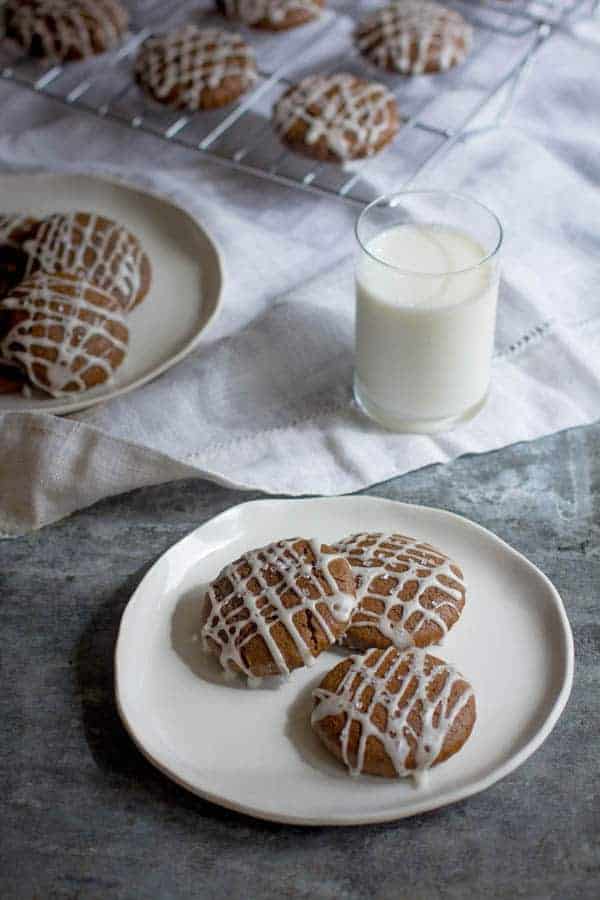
x=95, y=248
x=336, y=117
x=15, y=229
x=66, y=30
x=414, y=37
x=271, y=15
x=65, y=334
x=393, y=713
x=408, y=592
x=277, y=608
x=195, y=68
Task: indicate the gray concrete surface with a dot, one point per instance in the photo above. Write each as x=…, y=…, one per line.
x=85, y=816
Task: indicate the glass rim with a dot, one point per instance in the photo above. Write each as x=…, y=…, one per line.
x=430, y=192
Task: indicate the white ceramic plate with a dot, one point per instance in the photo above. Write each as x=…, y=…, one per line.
x=186, y=276
x=254, y=751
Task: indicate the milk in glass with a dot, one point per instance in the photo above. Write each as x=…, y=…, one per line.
x=425, y=319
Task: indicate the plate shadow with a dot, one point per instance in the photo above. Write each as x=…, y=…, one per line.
x=300, y=734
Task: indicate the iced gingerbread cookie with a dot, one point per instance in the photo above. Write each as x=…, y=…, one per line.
x=272, y=15
x=195, y=68
x=409, y=593
x=393, y=713
x=277, y=608
x=414, y=37
x=64, y=334
x=66, y=29
x=15, y=229
x=336, y=117
x=94, y=248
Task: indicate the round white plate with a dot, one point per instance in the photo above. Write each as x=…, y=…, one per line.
x=254, y=751
x=186, y=276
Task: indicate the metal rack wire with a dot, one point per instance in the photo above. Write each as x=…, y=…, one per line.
x=437, y=110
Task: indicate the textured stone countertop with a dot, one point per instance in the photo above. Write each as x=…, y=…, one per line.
x=84, y=815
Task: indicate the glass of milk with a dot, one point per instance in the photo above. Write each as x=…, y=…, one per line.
x=426, y=290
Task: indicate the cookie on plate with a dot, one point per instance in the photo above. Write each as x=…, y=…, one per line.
x=195, y=68
x=94, y=248
x=277, y=608
x=15, y=229
x=409, y=593
x=64, y=334
x=271, y=15
x=336, y=117
x=393, y=713
x=66, y=30
x=414, y=37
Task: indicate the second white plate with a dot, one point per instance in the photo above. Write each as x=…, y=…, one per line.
x=186, y=277
x=254, y=751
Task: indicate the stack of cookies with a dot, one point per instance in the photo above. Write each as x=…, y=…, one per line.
x=392, y=709
x=67, y=284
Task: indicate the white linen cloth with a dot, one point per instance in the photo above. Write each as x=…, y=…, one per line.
x=265, y=402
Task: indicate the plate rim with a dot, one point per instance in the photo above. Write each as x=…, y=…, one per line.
x=427, y=805
x=89, y=400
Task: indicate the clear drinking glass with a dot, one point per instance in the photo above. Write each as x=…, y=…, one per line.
x=427, y=279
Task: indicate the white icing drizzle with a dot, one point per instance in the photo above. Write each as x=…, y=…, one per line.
x=368, y=684
x=274, y=12
x=67, y=28
x=350, y=113
x=92, y=247
x=80, y=320
x=390, y=36
x=192, y=59
x=402, y=560
x=234, y=620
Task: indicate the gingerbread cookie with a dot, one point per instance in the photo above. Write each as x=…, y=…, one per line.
x=271, y=15
x=336, y=117
x=277, y=608
x=66, y=29
x=414, y=37
x=408, y=592
x=393, y=714
x=15, y=229
x=64, y=333
x=195, y=68
x=94, y=248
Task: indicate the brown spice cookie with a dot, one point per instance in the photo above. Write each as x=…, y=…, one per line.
x=414, y=37
x=277, y=608
x=66, y=29
x=393, y=714
x=64, y=333
x=336, y=117
x=195, y=68
x=409, y=593
x=15, y=229
x=94, y=248
x=271, y=15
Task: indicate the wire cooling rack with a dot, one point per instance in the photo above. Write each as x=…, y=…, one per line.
x=436, y=110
